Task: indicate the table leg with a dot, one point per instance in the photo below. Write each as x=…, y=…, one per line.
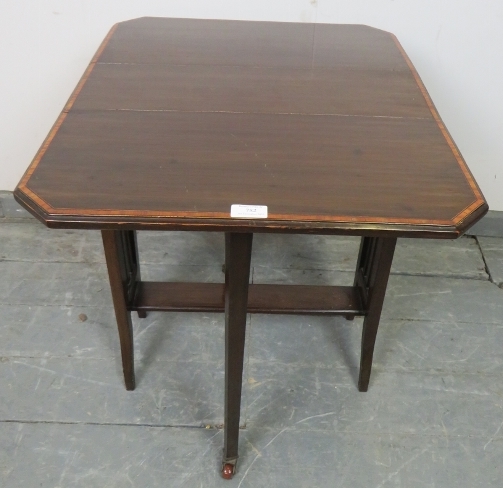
x=135, y=257
x=372, y=273
x=237, y=273
x=123, y=271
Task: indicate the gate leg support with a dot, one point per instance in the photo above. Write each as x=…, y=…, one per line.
x=237, y=274
x=372, y=273
x=123, y=272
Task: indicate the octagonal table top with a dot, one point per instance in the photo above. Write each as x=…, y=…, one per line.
x=328, y=126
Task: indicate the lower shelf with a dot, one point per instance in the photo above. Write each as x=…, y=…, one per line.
x=277, y=299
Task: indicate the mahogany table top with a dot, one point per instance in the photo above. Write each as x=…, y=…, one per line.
x=329, y=126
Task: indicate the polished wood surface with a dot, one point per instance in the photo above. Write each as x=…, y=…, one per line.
x=243, y=43
x=251, y=89
x=328, y=125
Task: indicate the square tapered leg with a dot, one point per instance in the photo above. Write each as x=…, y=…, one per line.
x=372, y=273
x=237, y=274
x=123, y=271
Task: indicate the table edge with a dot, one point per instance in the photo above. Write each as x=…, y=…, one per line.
x=447, y=230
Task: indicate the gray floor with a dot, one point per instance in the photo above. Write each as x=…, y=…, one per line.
x=433, y=416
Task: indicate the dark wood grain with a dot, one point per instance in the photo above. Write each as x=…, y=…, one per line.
x=275, y=299
x=210, y=42
x=194, y=88
x=242, y=43
x=329, y=126
x=201, y=164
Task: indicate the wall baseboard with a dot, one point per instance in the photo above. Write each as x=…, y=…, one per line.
x=490, y=226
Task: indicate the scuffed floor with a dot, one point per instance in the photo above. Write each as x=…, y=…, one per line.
x=433, y=416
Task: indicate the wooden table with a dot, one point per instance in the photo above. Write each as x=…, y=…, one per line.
x=328, y=126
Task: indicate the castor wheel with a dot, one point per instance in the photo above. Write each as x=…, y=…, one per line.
x=350, y=317
x=228, y=471
x=142, y=314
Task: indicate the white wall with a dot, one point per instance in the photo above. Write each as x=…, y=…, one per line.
x=456, y=46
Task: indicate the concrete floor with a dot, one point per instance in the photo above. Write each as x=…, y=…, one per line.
x=433, y=416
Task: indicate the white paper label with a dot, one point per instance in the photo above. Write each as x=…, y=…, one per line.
x=249, y=211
